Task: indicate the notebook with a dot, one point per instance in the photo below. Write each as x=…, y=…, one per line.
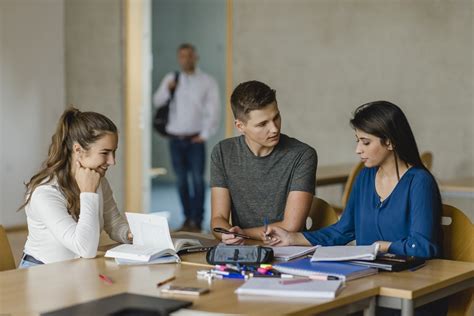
x=343, y=270
x=273, y=287
x=151, y=241
x=123, y=304
x=393, y=263
x=291, y=252
x=344, y=253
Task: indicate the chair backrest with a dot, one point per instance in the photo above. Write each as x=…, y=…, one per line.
x=458, y=244
x=350, y=182
x=7, y=262
x=458, y=235
x=427, y=159
x=321, y=215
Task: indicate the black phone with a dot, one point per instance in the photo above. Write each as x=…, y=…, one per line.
x=225, y=231
x=186, y=290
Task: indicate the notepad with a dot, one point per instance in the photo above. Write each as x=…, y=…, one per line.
x=273, y=287
x=343, y=270
x=344, y=253
x=291, y=252
x=152, y=242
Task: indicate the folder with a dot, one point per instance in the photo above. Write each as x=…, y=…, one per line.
x=123, y=304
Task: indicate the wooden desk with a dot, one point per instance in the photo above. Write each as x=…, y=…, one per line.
x=457, y=185
x=333, y=174
x=53, y=286
x=439, y=278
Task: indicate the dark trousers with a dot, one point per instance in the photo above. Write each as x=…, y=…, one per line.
x=188, y=161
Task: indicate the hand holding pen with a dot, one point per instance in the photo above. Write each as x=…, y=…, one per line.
x=233, y=236
x=276, y=236
x=265, y=228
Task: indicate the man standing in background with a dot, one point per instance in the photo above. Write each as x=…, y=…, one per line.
x=193, y=117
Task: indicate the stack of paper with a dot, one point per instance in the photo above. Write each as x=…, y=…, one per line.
x=291, y=252
x=274, y=287
x=342, y=270
x=344, y=253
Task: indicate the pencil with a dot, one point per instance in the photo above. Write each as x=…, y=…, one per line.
x=106, y=279
x=166, y=281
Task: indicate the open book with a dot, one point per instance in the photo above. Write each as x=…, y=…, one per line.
x=152, y=242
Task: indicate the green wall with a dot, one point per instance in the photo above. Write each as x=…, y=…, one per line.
x=202, y=23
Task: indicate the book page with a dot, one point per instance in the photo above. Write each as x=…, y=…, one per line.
x=150, y=230
x=180, y=243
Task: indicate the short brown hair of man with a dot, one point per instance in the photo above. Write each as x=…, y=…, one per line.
x=186, y=46
x=249, y=96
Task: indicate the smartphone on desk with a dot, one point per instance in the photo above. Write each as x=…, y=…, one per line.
x=184, y=290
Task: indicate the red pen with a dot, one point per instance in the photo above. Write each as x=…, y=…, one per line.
x=106, y=279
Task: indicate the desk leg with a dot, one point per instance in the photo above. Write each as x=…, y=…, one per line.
x=370, y=310
x=408, y=308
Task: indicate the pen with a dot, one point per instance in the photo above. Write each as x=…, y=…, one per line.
x=294, y=281
x=323, y=277
x=106, y=279
x=232, y=276
x=166, y=281
x=265, y=226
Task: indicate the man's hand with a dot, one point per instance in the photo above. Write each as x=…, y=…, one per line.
x=230, y=239
x=172, y=86
x=197, y=140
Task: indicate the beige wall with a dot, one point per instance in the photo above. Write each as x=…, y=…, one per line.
x=94, y=68
x=31, y=94
x=325, y=57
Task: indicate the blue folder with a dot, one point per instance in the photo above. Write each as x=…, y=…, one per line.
x=343, y=270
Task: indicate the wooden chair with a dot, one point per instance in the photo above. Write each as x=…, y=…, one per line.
x=7, y=262
x=321, y=215
x=348, y=187
x=427, y=159
x=458, y=244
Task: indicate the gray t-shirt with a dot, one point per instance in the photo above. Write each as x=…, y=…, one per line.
x=259, y=186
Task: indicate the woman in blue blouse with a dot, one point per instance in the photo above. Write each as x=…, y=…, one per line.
x=395, y=200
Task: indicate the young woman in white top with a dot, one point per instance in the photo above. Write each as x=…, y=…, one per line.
x=69, y=201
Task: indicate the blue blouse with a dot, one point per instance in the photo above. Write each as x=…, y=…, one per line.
x=409, y=217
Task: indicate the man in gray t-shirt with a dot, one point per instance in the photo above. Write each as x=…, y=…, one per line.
x=261, y=176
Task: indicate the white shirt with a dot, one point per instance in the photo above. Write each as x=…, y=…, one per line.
x=54, y=235
x=195, y=107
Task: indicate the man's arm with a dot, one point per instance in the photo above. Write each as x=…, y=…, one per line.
x=298, y=205
x=213, y=110
x=162, y=94
x=220, y=209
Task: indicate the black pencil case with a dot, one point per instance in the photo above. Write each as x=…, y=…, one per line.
x=222, y=254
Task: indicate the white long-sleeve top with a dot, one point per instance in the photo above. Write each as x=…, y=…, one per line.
x=54, y=235
x=195, y=106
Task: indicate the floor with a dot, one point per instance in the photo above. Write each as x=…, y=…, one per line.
x=165, y=198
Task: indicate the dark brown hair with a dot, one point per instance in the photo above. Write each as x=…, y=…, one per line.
x=249, y=96
x=74, y=126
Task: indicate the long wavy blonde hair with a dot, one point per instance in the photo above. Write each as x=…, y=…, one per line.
x=74, y=126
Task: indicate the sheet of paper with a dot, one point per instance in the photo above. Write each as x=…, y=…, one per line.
x=150, y=230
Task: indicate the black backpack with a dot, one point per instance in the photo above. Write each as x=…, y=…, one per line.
x=161, y=116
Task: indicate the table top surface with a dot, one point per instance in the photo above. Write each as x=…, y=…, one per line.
x=333, y=174
x=53, y=286
x=457, y=185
